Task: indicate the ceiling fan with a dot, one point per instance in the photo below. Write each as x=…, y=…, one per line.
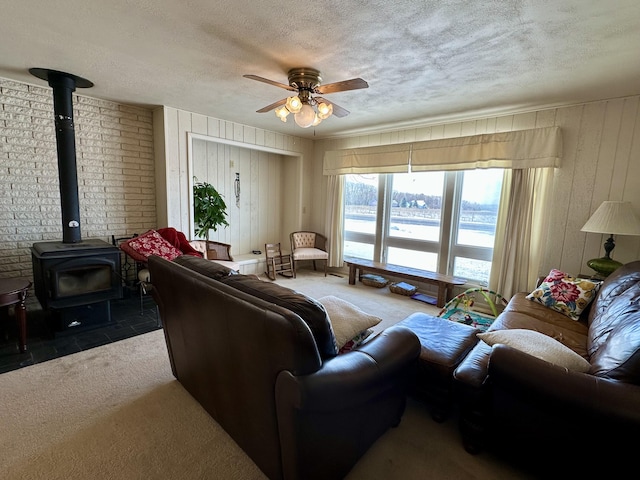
x=308, y=110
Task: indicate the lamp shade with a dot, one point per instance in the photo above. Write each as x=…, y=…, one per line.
x=294, y=104
x=324, y=110
x=613, y=218
x=282, y=113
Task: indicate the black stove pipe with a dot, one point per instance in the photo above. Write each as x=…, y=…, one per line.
x=64, y=84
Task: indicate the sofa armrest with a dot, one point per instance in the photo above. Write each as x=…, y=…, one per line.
x=580, y=395
x=328, y=419
x=352, y=378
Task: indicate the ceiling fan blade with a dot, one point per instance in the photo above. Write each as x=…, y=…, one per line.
x=270, y=82
x=338, y=111
x=353, y=84
x=272, y=106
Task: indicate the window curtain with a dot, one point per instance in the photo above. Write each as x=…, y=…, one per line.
x=334, y=224
x=520, y=230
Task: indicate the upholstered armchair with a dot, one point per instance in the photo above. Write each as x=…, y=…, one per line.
x=309, y=246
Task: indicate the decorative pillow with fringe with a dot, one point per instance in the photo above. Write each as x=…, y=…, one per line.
x=150, y=243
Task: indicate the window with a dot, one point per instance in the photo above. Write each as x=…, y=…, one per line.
x=360, y=215
x=438, y=221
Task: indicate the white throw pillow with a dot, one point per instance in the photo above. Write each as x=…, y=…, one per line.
x=539, y=345
x=347, y=320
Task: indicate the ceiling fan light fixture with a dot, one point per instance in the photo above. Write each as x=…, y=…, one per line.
x=294, y=104
x=324, y=110
x=305, y=117
x=308, y=111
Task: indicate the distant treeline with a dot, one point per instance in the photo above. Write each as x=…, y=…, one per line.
x=367, y=195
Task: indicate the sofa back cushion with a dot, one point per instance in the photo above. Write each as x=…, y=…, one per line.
x=311, y=311
x=614, y=326
x=206, y=267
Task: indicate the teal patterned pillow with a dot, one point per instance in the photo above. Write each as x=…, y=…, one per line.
x=565, y=294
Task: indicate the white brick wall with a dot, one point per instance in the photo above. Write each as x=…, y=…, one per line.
x=114, y=156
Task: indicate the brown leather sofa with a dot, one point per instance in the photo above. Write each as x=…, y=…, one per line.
x=262, y=360
x=510, y=399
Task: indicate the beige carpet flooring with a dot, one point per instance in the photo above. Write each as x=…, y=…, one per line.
x=116, y=412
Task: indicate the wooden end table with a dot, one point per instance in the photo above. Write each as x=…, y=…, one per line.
x=13, y=291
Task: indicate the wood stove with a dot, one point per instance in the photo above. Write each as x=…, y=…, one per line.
x=75, y=279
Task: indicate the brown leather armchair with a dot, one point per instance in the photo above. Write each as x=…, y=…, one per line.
x=512, y=400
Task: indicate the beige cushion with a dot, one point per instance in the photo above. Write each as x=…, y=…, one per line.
x=538, y=345
x=347, y=320
x=304, y=240
x=143, y=275
x=310, y=254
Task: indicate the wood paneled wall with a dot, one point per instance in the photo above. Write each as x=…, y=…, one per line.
x=274, y=176
x=257, y=218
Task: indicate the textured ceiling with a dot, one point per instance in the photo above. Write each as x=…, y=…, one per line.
x=425, y=61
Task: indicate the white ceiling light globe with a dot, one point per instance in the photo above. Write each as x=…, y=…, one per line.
x=305, y=117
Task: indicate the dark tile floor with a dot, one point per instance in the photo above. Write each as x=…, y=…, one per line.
x=45, y=343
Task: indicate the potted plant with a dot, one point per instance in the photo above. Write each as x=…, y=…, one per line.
x=209, y=209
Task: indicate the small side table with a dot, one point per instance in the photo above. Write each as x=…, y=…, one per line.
x=13, y=291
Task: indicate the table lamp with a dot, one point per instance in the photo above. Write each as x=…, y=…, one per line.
x=613, y=218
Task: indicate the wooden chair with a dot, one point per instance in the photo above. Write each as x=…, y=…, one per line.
x=308, y=246
x=277, y=262
x=213, y=250
x=216, y=251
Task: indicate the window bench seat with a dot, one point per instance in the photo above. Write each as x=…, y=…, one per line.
x=445, y=283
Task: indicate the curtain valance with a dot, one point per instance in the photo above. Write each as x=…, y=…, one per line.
x=534, y=148
x=379, y=159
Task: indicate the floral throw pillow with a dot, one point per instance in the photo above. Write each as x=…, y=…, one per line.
x=565, y=294
x=356, y=341
x=149, y=243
